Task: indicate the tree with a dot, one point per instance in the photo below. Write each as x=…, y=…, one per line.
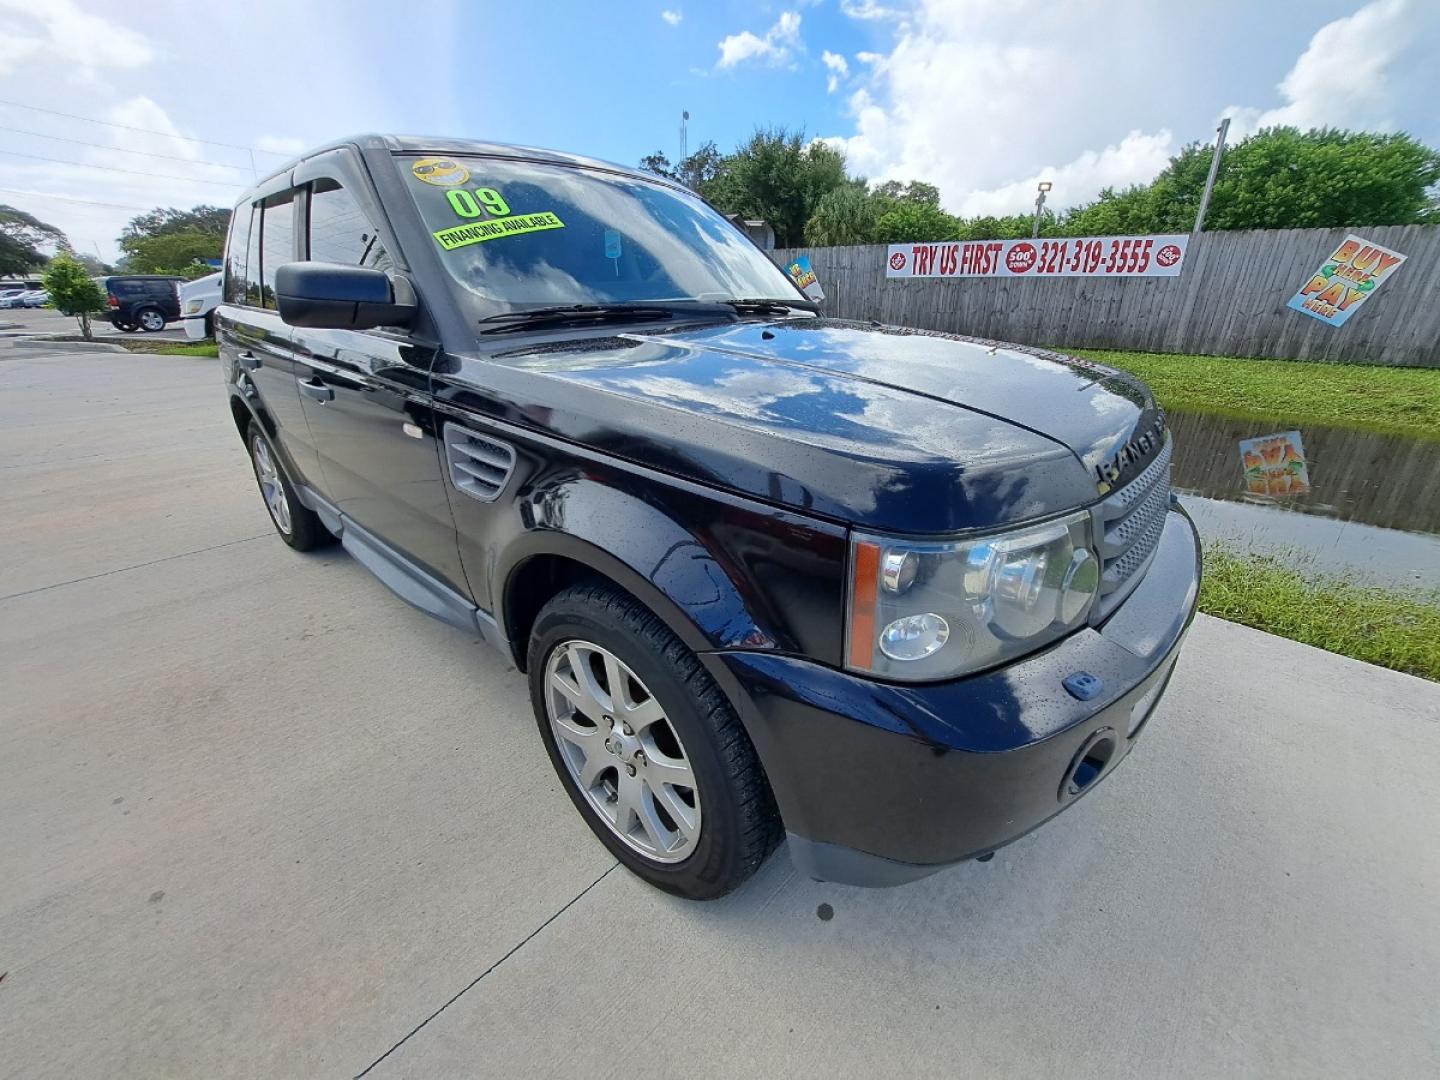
x=1278, y=178
x=915, y=222
x=694, y=172
x=21, y=238
x=167, y=240
x=658, y=164
x=777, y=176
x=846, y=215
x=701, y=167
x=1008, y=227
x=73, y=292
x=917, y=191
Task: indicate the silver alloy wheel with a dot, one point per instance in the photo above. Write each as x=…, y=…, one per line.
x=151, y=320
x=622, y=751
x=270, y=485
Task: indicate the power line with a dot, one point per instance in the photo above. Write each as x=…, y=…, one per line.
x=146, y=131
x=67, y=198
x=132, y=172
x=120, y=149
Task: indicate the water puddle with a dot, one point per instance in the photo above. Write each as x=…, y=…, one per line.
x=1362, y=506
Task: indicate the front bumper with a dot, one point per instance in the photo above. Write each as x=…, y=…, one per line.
x=881, y=783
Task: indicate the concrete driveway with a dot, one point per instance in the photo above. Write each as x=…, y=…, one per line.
x=258, y=818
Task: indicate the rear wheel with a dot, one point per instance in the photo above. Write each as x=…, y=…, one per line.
x=648, y=748
x=123, y=327
x=150, y=319
x=298, y=526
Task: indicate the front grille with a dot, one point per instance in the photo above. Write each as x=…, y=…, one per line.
x=1129, y=524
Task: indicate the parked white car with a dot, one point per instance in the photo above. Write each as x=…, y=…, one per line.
x=198, y=299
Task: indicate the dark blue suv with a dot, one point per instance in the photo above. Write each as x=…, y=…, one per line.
x=900, y=596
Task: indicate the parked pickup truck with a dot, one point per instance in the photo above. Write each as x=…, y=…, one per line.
x=900, y=596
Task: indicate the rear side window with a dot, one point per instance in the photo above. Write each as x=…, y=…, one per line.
x=277, y=241
x=341, y=231
x=236, y=248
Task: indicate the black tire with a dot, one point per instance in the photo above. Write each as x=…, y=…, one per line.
x=152, y=315
x=210, y=325
x=306, y=531
x=740, y=825
x=123, y=327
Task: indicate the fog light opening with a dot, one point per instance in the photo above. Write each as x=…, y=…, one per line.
x=1089, y=763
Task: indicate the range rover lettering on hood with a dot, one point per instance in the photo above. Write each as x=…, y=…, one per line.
x=1140, y=448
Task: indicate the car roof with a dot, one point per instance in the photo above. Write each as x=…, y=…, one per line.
x=438, y=144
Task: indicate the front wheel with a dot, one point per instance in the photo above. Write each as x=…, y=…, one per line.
x=648, y=748
x=298, y=526
x=150, y=320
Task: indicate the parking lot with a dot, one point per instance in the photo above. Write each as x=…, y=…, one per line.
x=260, y=818
x=48, y=321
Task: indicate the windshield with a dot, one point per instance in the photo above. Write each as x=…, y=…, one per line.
x=520, y=234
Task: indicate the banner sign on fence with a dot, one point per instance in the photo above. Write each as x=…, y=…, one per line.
x=1352, y=273
x=805, y=279
x=1082, y=256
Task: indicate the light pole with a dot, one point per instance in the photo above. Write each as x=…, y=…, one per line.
x=1044, y=186
x=1214, y=171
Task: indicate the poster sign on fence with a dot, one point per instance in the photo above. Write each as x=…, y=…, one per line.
x=1352, y=274
x=1275, y=465
x=1076, y=256
x=804, y=277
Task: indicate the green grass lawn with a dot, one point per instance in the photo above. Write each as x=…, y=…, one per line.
x=200, y=348
x=1399, y=630
x=1393, y=401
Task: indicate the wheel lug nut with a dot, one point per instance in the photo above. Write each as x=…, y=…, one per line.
x=630, y=769
x=609, y=720
x=626, y=729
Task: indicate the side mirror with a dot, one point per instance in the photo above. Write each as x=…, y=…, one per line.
x=335, y=296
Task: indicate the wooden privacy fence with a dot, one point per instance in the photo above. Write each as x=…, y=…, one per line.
x=1229, y=300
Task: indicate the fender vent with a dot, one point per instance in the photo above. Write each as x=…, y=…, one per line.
x=479, y=466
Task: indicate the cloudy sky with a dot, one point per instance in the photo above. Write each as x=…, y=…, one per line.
x=981, y=98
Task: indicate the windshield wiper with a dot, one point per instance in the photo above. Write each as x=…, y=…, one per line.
x=570, y=313
x=767, y=305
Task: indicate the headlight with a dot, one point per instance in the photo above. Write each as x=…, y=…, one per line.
x=935, y=610
x=192, y=306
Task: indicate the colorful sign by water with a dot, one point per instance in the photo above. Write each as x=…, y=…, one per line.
x=1275, y=465
x=1093, y=256
x=804, y=277
x=1346, y=280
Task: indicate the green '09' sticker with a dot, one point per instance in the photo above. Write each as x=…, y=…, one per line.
x=477, y=232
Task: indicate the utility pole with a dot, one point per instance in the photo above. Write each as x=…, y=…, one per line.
x=684, y=137
x=1045, y=185
x=1220, y=133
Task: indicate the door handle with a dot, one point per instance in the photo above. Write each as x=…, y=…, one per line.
x=314, y=388
x=249, y=361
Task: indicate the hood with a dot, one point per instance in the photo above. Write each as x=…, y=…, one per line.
x=893, y=430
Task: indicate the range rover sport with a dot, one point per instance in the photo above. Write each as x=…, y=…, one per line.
x=896, y=595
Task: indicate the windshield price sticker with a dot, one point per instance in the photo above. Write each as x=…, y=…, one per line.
x=1096, y=256
x=458, y=236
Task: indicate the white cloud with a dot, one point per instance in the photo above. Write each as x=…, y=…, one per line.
x=281, y=144
x=775, y=48
x=674, y=18
x=838, y=67
x=985, y=99
x=1340, y=79
x=57, y=33
x=1137, y=155
x=868, y=10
